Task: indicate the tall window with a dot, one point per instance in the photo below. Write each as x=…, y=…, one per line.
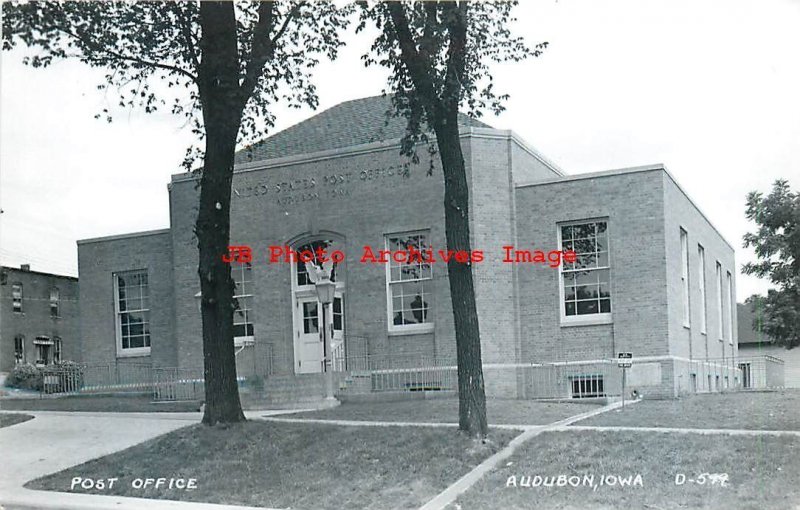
x=56, y=349
x=701, y=280
x=19, y=349
x=687, y=320
x=55, y=301
x=243, y=295
x=719, y=302
x=409, y=283
x=586, y=283
x=132, y=312
x=16, y=297
x=731, y=305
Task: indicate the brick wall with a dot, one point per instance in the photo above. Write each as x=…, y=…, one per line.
x=689, y=341
x=633, y=205
x=98, y=260
x=35, y=319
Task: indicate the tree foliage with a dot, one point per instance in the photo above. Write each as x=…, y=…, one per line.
x=222, y=65
x=777, y=245
x=439, y=55
x=151, y=53
x=434, y=68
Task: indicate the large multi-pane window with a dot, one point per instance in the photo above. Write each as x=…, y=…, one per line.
x=687, y=321
x=243, y=296
x=409, y=282
x=719, y=302
x=132, y=305
x=16, y=297
x=19, y=349
x=585, y=283
x=55, y=302
x=701, y=280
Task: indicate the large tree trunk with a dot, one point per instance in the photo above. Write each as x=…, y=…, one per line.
x=471, y=395
x=218, y=84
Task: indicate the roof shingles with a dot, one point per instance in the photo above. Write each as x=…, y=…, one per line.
x=347, y=124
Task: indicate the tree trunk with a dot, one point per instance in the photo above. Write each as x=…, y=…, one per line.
x=471, y=396
x=218, y=83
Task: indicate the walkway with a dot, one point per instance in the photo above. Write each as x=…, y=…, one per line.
x=56, y=440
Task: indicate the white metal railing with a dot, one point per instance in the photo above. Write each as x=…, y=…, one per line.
x=96, y=377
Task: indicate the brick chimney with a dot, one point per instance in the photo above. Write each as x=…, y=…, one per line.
x=25, y=267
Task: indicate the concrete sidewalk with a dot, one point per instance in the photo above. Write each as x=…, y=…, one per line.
x=56, y=440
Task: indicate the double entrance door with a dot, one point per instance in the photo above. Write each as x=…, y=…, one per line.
x=309, y=347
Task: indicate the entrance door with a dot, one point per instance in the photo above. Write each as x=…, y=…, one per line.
x=309, y=342
x=310, y=348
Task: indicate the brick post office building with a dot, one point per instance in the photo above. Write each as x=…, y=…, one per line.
x=654, y=277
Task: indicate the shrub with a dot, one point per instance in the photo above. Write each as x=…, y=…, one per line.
x=25, y=376
x=70, y=375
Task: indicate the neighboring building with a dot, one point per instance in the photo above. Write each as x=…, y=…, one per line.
x=656, y=278
x=38, y=317
x=763, y=363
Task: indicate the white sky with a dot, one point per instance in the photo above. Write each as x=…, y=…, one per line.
x=709, y=88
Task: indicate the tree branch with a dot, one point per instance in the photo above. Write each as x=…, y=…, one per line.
x=190, y=44
x=262, y=46
x=102, y=50
x=417, y=70
x=456, y=19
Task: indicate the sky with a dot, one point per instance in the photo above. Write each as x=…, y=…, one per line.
x=708, y=88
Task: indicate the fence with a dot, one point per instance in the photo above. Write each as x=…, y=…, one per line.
x=761, y=372
x=360, y=372
x=96, y=377
x=178, y=384
x=568, y=379
x=421, y=371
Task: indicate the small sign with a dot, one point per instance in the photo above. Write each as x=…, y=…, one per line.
x=625, y=359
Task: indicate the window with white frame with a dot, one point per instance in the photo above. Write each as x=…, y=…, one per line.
x=719, y=301
x=55, y=302
x=409, y=283
x=243, y=296
x=687, y=320
x=19, y=349
x=701, y=280
x=731, y=305
x=56, y=349
x=16, y=297
x=132, y=307
x=585, y=283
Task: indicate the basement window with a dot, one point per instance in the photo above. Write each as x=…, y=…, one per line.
x=587, y=386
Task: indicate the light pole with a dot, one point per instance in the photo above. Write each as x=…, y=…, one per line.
x=326, y=288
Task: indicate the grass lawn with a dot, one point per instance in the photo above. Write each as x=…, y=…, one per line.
x=778, y=410
x=95, y=403
x=293, y=465
x=500, y=412
x=762, y=472
x=8, y=419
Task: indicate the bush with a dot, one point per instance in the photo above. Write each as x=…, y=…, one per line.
x=25, y=376
x=70, y=376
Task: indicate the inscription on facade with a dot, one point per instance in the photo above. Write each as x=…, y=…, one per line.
x=326, y=186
